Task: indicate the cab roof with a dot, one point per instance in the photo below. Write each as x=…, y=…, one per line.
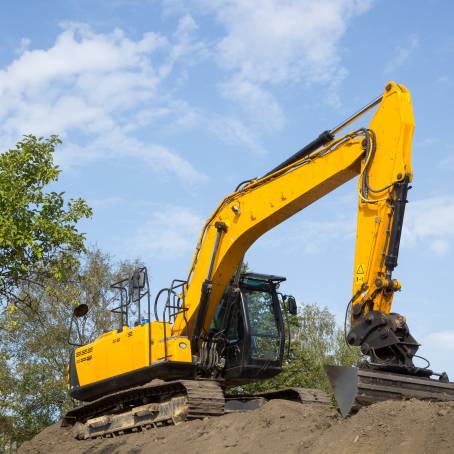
x=271, y=278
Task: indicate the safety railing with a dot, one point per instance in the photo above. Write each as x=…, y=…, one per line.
x=173, y=307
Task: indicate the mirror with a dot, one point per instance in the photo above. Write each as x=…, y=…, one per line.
x=136, y=284
x=138, y=279
x=80, y=311
x=292, y=307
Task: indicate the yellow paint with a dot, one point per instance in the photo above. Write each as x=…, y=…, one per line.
x=393, y=124
x=116, y=353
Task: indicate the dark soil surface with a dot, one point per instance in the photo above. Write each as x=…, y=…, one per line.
x=280, y=426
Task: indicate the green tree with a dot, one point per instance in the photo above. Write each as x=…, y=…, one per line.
x=34, y=350
x=38, y=230
x=316, y=340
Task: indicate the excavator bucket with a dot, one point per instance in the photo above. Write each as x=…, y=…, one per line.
x=355, y=387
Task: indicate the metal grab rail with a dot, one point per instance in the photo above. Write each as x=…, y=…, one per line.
x=174, y=306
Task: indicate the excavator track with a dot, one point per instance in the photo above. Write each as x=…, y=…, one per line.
x=157, y=404
x=145, y=407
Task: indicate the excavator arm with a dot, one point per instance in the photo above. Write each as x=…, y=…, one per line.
x=386, y=172
x=380, y=155
x=382, y=195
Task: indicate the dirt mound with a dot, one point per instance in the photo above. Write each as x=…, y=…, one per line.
x=280, y=426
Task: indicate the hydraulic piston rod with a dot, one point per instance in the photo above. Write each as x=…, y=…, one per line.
x=326, y=136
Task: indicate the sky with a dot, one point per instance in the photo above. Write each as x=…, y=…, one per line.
x=165, y=106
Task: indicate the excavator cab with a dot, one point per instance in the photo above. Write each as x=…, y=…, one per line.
x=250, y=321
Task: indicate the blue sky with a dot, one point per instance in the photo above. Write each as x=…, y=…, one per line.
x=165, y=106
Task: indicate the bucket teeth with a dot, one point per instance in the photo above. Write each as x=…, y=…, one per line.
x=355, y=387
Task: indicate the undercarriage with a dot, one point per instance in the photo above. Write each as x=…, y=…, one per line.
x=158, y=404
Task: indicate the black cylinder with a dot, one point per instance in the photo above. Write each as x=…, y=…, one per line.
x=396, y=229
x=324, y=138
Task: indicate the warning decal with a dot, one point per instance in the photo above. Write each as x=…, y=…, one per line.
x=360, y=273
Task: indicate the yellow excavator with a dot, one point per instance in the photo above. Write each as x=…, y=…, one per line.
x=223, y=327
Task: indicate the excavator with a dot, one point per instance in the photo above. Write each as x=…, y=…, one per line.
x=223, y=327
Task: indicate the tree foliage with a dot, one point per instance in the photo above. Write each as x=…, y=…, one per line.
x=38, y=230
x=45, y=271
x=34, y=349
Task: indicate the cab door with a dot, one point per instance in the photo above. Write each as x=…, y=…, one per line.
x=235, y=336
x=254, y=336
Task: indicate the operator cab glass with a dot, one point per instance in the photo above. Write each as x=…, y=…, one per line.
x=251, y=320
x=263, y=325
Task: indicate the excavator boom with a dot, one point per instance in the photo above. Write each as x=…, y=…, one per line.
x=380, y=155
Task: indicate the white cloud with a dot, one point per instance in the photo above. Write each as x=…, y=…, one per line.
x=232, y=130
x=170, y=231
x=96, y=86
x=118, y=145
x=269, y=42
x=24, y=45
x=93, y=84
x=260, y=104
x=401, y=55
x=430, y=221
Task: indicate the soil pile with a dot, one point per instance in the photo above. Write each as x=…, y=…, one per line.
x=280, y=426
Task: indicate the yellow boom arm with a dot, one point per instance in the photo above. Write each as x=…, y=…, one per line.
x=381, y=155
